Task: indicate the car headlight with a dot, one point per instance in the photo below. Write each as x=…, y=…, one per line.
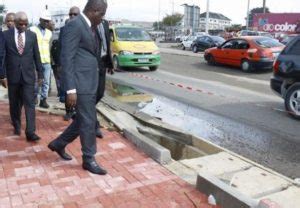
x=156, y=52
x=126, y=53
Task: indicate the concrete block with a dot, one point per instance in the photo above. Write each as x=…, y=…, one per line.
x=289, y=198
x=217, y=164
x=183, y=172
x=257, y=182
x=151, y=148
x=226, y=196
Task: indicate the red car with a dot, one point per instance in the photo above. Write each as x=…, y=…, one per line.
x=249, y=53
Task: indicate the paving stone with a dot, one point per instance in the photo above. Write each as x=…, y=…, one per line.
x=33, y=176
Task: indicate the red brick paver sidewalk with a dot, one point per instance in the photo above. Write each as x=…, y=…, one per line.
x=32, y=176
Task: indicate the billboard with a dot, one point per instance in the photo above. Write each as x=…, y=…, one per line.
x=277, y=22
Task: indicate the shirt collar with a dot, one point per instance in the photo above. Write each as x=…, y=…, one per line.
x=17, y=31
x=87, y=20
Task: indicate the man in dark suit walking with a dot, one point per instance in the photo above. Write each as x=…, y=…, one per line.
x=106, y=65
x=80, y=58
x=21, y=59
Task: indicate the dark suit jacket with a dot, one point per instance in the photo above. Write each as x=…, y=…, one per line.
x=108, y=59
x=79, y=57
x=23, y=66
x=2, y=49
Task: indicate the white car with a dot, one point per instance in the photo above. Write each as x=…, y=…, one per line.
x=187, y=43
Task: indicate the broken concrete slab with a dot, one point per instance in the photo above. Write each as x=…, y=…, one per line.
x=285, y=199
x=217, y=164
x=256, y=182
x=151, y=148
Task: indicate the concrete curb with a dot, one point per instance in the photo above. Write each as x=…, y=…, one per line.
x=224, y=194
x=181, y=53
x=151, y=148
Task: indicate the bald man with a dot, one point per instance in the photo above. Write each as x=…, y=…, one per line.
x=80, y=60
x=18, y=74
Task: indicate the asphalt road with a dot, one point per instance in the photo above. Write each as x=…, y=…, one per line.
x=233, y=109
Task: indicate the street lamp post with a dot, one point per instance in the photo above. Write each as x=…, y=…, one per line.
x=264, y=6
x=207, y=17
x=248, y=13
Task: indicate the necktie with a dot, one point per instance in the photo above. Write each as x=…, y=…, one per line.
x=96, y=39
x=20, y=44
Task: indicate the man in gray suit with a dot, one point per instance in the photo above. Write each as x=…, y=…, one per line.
x=80, y=60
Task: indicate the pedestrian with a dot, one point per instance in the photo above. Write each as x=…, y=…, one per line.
x=70, y=112
x=44, y=36
x=2, y=52
x=80, y=57
x=106, y=65
x=9, y=21
x=21, y=59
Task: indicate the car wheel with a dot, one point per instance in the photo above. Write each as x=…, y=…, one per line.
x=182, y=47
x=246, y=66
x=153, y=68
x=116, y=62
x=195, y=49
x=292, y=101
x=210, y=60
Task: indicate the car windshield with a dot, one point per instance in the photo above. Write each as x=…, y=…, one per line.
x=132, y=34
x=267, y=42
x=218, y=39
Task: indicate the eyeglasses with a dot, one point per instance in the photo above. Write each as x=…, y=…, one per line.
x=73, y=14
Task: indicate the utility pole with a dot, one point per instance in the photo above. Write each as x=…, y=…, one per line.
x=248, y=13
x=207, y=17
x=158, y=20
x=264, y=6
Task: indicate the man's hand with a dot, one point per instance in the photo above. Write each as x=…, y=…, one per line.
x=40, y=82
x=71, y=100
x=3, y=82
x=111, y=71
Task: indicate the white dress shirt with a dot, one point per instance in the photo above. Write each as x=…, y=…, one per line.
x=73, y=91
x=17, y=35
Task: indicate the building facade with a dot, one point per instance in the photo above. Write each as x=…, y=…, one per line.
x=191, y=16
x=59, y=18
x=216, y=21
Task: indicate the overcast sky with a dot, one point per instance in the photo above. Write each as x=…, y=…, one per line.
x=148, y=10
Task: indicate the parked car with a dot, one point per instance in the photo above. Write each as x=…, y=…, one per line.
x=250, y=52
x=204, y=42
x=247, y=33
x=288, y=38
x=286, y=77
x=187, y=42
x=265, y=34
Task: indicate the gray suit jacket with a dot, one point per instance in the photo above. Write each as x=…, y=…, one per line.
x=79, y=58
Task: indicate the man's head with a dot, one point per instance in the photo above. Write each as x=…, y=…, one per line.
x=10, y=20
x=45, y=19
x=51, y=26
x=95, y=10
x=21, y=21
x=74, y=12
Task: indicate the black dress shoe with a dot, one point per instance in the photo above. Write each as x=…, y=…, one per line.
x=93, y=167
x=17, y=132
x=32, y=137
x=61, y=152
x=99, y=133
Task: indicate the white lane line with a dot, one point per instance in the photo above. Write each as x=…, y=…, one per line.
x=218, y=84
x=246, y=79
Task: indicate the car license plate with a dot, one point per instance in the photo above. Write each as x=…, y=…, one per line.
x=143, y=60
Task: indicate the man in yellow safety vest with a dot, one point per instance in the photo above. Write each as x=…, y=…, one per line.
x=44, y=37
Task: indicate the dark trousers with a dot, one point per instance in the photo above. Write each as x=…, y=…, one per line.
x=19, y=95
x=100, y=91
x=83, y=125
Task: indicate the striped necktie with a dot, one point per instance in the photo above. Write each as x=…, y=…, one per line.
x=20, y=44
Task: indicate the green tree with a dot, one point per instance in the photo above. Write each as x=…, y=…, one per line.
x=158, y=26
x=172, y=20
x=254, y=11
x=2, y=10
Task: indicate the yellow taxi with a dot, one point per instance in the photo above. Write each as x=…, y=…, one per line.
x=132, y=46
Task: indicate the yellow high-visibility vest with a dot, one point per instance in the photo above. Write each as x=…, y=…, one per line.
x=44, y=43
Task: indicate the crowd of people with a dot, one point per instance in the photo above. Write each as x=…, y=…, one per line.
x=79, y=58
